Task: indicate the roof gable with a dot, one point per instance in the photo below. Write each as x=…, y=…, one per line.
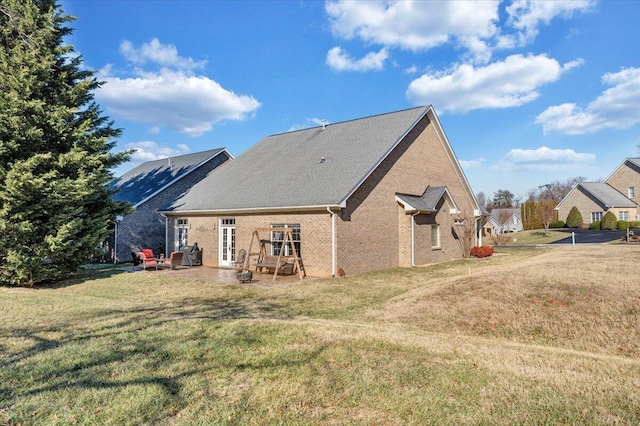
x=428, y=201
x=151, y=177
x=635, y=162
x=320, y=166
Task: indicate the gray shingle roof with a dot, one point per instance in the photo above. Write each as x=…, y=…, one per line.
x=608, y=195
x=141, y=182
x=304, y=168
x=635, y=161
x=428, y=201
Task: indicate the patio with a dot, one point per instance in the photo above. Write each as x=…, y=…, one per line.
x=222, y=276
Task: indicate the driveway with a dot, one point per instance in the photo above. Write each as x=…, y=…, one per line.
x=590, y=236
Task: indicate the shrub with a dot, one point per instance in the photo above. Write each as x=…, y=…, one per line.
x=609, y=221
x=623, y=225
x=482, y=251
x=556, y=224
x=595, y=225
x=574, y=218
x=634, y=224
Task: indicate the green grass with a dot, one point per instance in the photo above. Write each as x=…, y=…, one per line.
x=452, y=343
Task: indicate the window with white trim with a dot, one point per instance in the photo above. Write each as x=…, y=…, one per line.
x=631, y=191
x=183, y=228
x=435, y=236
x=596, y=216
x=277, y=237
x=623, y=215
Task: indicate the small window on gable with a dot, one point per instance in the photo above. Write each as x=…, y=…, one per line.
x=631, y=191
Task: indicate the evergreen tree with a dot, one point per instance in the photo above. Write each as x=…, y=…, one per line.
x=55, y=149
x=574, y=218
x=609, y=221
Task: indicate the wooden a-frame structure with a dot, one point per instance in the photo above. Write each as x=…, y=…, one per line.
x=288, y=238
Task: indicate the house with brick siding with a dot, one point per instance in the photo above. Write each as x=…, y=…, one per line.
x=150, y=186
x=360, y=195
x=616, y=194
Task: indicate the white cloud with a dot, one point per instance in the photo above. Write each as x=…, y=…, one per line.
x=172, y=97
x=477, y=27
x=616, y=108
x=413, y=25
x=472, y=164
x=543, y=158
x=150, y=150
x=509, y=83
x=158, y=53
x=526, y=15
x=339, y=60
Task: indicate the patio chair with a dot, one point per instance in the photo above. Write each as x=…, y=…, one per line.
x=148, y=259
x=175, y=259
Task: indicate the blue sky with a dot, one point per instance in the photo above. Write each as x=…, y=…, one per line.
x=528, y=93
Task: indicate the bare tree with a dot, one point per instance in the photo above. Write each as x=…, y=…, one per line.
x=546, y=211
x=469, y=233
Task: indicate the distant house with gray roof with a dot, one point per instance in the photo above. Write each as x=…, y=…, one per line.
x=594, y=199
x=360, y=195
x=618, y=194
x=150, y=186
x=503, y=220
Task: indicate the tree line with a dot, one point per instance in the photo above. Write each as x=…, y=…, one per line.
x=538, y=210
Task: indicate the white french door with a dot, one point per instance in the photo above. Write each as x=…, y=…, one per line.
x=227, y=242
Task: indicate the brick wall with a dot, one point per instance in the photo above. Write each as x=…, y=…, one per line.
x=145, y=227
x=315, y=236
x=585, y=203
x=374, y=234
x=628, y=175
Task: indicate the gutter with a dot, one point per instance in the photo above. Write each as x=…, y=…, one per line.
x=247, y=210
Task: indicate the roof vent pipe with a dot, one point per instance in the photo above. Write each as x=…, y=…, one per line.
x=170, y=165
x=324, y=124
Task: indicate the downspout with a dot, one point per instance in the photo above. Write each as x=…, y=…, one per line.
x=333, y=241
x=166, y=234
x=413, y=238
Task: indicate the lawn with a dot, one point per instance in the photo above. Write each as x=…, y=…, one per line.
x=533, y=336
x=530, y=237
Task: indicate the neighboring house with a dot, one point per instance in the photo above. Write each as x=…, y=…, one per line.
x=626, y=179
x=594, y=200
x=360, y=195
x=151, y=186
x=616, y=194
x=503, y=220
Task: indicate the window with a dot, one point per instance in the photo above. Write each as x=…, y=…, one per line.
x=183, y=226
x=596, y=216
x=435, y=236
x=623, y=215
x=632, y=191
x=278, y=237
